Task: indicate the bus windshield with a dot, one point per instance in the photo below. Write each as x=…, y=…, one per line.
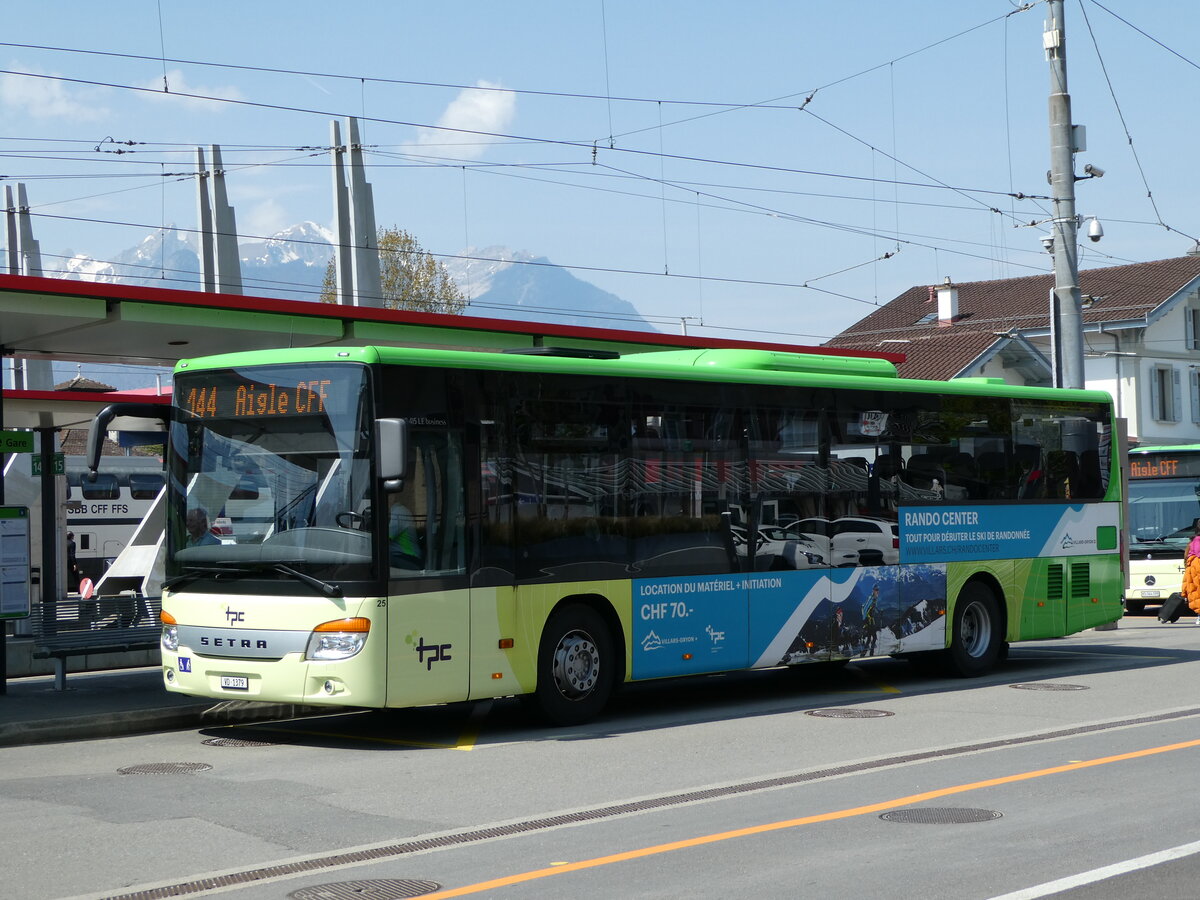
x=1164, y=509
x=271, y=467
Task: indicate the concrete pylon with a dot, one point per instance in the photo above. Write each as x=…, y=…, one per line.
x=228, y=261
x=208, y=266
x=357, y=253
x=367, y=283
x=343, y=260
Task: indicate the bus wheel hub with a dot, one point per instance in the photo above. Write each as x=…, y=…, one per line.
x=576, y=665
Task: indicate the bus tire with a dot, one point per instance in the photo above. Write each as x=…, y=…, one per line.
x=978, y=637
x=576, y=666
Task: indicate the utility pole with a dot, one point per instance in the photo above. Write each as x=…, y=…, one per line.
x=1066, y=319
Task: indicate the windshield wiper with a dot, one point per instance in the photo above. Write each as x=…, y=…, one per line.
x=329, y=590
x=190, y=572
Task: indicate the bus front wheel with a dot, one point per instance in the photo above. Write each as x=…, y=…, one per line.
x=575, y=668
x=977, y=643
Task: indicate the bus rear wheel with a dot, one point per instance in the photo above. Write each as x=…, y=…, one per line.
x=576, y=664
x=977, y=641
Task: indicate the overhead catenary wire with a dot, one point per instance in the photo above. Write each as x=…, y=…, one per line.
x=489, y=259
x=527, y=138
x=1124, y=124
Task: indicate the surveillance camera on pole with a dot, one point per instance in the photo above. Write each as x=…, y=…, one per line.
x=1095, y=230
x=1048, y=243
x=1093, y=171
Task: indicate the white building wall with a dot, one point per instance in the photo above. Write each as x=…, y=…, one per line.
x=1162, y=358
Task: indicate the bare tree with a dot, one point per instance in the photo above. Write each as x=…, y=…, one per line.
x=410, y=277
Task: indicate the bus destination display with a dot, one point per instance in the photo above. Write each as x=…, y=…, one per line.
x=234, y=395
x=1164, y=465
x=252, y=399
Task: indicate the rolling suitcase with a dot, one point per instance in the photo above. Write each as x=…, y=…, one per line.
x=1172, y=608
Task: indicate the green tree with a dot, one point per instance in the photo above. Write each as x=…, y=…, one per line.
x=411, y=278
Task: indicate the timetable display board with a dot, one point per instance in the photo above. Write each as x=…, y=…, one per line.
x=14, y=562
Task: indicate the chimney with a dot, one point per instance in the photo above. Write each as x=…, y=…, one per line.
x=947, y=296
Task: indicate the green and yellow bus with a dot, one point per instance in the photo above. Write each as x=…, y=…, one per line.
x=389, y=527
x=1164, y=503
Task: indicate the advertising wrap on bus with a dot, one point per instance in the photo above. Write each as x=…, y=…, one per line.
x=785, y=618
x=849, y=612
x=1006, y=532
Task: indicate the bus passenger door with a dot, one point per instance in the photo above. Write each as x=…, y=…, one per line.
x=428, y=608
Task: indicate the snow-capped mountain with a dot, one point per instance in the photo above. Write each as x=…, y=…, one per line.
x=307, y=243
x=501, y=283
x=166, y=258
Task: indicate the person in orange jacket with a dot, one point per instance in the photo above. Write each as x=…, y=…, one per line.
x=1191, y=572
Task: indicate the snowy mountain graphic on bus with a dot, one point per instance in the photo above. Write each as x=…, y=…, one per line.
x=882, y=610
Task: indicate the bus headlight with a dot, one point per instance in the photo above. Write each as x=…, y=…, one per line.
x=339, y=639
x=170, y=632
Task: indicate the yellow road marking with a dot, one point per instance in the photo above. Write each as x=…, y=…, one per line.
x=560, y=869
x=878, y=685
x=466, y=741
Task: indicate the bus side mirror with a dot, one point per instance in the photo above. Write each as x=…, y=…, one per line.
x=145, y=414
x=391, y=451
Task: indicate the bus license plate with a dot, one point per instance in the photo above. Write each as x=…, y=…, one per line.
x=1151, y=593
x=235, y=682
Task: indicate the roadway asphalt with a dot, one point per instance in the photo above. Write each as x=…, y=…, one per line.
x=114, y=703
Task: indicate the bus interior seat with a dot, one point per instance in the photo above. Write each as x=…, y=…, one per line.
x=1062, y=473
x=888, y=465
x=923, y=469
x=993, y=473
x=961, y=471
x=1031, y=478
x=1090, y=484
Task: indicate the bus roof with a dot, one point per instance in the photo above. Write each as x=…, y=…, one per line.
x=751, y=366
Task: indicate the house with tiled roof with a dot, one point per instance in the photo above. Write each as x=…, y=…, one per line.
x=1141, y=338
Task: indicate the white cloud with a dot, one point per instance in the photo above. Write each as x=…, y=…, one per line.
x=483, y=108
x=177, y=86
x=46, y=98
x=263, y=219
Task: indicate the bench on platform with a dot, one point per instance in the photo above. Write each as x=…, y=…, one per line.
x=74, y=627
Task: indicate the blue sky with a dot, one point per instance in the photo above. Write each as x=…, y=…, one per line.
x=771, y=170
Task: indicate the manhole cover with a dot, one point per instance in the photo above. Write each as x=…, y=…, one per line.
x=237, y=742
x=1049, y=686
x=923, y=815
x=375, y=889
x=164, y=769
x=837, y=713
